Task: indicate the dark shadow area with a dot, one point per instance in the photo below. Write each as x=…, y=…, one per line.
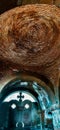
x=7, y=4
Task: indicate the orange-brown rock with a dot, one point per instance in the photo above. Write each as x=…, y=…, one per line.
x=30, y=39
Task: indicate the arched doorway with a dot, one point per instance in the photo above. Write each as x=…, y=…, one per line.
x=25, y=105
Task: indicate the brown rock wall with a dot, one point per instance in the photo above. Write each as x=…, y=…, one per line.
x=30, y=39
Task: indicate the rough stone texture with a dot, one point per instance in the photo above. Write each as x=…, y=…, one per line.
x=30, y=40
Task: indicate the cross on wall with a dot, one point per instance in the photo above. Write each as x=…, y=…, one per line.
x=20, y=97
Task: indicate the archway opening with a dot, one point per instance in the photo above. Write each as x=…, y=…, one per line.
x=25, y=104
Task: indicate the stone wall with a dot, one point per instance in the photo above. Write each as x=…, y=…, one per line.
x=57, y=2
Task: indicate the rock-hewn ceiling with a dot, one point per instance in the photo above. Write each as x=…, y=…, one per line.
x=30, y=39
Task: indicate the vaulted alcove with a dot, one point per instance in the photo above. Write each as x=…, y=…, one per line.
x=26, y=104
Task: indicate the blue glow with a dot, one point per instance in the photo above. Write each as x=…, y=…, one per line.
x=56, y=119
x=43, y=96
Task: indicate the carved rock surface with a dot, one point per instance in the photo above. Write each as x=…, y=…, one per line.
x=30, y=38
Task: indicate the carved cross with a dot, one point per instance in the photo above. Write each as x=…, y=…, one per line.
x=20, y=96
